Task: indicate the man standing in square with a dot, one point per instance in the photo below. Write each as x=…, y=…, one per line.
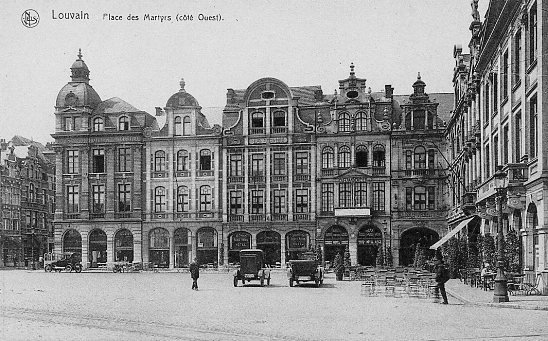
x=195, y=274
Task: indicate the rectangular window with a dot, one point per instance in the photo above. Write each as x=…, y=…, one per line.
x=517, y=57
x=182, y=161
x=301, y=201
x=431, y=156
x=69, y=123
x=206, y=204
x=495, y=151
x=124, y=159
x=236, y=206
x=505, y=144
x=236, y=165
x=124, y=197
x=73, y=199
x=301, y=163
x=533, y=124
x=431, y=197
x=360, y=194
x=98, y=198
x=409, y=198
x=420, y=198
x=345, y=194
x=278, y=164
x=408, y=159
x=505, y=75
x=533, y=41
x=279, y=202
x=257, y=164
x=257, y=202
x=73, y=162
x=183, y=199
x=327, y=197
x=98, y=165
x=518, y=131
x=487, y=112
x=487, y=162
x=495, y=93
x=378, y=196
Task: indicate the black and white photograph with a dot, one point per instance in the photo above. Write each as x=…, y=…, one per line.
x=273, y=170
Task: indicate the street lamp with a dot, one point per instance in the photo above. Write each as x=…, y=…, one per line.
x=501, y=283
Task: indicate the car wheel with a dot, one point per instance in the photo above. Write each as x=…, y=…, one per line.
x=78, y=268
x=262, y=280
x=235, y=281
x=68, y=268
x=291, y=282
x=47, y=268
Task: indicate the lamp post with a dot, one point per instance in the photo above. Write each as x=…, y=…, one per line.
x=501, y=283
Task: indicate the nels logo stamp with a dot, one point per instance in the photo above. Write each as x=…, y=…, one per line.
x=30, y=18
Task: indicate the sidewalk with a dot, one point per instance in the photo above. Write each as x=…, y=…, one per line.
x=477, y=296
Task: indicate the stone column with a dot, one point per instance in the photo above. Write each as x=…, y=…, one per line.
x=396, y=251
x=85, y=254
x=171, y=248
x=194, y=248
x=353, y=249
x=137, y=244
x=110, y=246
x=109, y=187
x=282, y=248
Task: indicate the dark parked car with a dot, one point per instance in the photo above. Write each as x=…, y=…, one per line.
x=252, y=267
x=305, y=270
x=64, y=261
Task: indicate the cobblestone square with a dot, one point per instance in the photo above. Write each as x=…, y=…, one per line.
x=36, y=305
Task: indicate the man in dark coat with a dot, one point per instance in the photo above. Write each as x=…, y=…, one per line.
x=194, y=273
x=440, y=279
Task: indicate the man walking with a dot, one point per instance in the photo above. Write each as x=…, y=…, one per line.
x=442, y=276
x=195, y=274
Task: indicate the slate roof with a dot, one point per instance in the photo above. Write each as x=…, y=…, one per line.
x=114, y=105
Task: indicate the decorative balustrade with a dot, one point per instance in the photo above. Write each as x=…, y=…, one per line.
x=236, y=217
x=257, y=217
x=122, y=215
x=517, y=172
x=100, y=215
x=257, y=178
x=279, y=216
x=279, y=178
x=301, y=178
x=72, y=216
x=329, y=172
x=236, y=179
x=379, y=170
x=257, y=131
x=301, y=216
x=278, y=130
x=420, y=172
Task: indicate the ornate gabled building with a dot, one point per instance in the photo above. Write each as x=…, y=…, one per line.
x=500, y=91
x=99, y=172
x=183, y=187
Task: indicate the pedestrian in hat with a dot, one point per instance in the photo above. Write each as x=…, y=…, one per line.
x=442, y=276
x=194, y=274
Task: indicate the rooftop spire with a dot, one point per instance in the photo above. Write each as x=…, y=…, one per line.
x=79, y=69
x=182, y=84
x=79, y=54
x=352, y=70
x=418, y=75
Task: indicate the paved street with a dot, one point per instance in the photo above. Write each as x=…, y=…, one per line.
x=161, y=306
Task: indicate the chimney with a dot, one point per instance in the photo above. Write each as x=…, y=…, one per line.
x=388, y=91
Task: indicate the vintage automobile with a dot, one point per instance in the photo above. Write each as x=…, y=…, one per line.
x=62, y=262
x=252, y=267
x=305, y=269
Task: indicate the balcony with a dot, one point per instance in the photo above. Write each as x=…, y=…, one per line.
x=431, y=214
x=203, y=173
x=122, y=215
x=236, y=179
x=517, y=173
x=72, y=216
x=257, y=217
x=257, y=131
x=379, y=170
x=420, y=172
x=301, y=216
x=257, y=179
x=469, y=200
x=301, y=178
x=236, y=217
x=279, y=216
x=329, y=172
x=278, y=130
x=279, y=178
x=97, y=215
x=182, y=174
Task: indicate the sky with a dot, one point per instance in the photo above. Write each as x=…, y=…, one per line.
x=141, y=61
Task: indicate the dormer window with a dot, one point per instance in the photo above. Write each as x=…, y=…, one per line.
x=267, y=95
x=98, y=124
x=123, y=123
x=352, y=94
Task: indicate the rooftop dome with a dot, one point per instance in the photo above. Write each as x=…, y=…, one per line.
x=78, y=92
x=182, y=98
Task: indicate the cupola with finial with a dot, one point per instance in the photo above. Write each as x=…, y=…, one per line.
x=79, y=69
x=418, y=90
x=352, y=87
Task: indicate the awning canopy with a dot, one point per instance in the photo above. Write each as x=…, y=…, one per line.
x=451, y=233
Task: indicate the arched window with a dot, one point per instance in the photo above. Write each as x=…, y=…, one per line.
x=177, y=126
x=182, y=160
x=123, y=123
x=344, y=122
x=32, y=195
x=159, y=199
x=159, y=161
x=257, y=120
x=362, y=156
x=183, y=199
x=327, y=158
x=98, y=124
x=186, y=126
x=420, y=157
x=205, y=159
x=205, y=199
x=278, y=119
x=344, y=157
x=361, y=121
x=379, y=156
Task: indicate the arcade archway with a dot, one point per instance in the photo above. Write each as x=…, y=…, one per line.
x=369, y=242
x=97, y=247
x=206, y=248
x=72, y=242
x=335, y=241
x=237, y=241
x=270, y=243
x=183, y=247
x=417, y=236
x=296, y=242
x=159, y=247
x=123, y=246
